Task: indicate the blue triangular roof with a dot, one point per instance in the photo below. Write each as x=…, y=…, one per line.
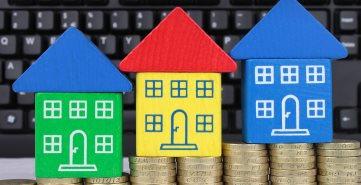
x=72, y=64
x=289, y=31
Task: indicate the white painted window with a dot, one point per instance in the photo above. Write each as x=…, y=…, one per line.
x=264, y=74
x=104, y=144
x=316, y=108
x=52, y=144
x=104, y=109
x=52, y=109
x=264, y=108
x=289, y=75
x=315, y=74
x=78, y=109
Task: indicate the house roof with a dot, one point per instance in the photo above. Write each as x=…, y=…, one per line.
x=72, y=64
x=289, y=31
x=178, y=44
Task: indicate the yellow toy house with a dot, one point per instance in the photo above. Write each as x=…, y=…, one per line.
x=178, y=97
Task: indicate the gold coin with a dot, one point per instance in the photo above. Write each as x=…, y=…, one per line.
x=293, y=179
x=246, y=153
x=200, y=166
x=155, y=160
x=152, y=167
x=245, y=179
x=293, y=166
x=58, y=180
x=292, y=146
x=340, y=144
x=306, y=159
x=292, y=153
x=17, y=182
x=338, y=173
x=245, y=160
x=199, y=160
x=337, y=166
x=339, y=153
x=277, y=172
x=152, y=179
x=331, y=179
x=112, y=180
x=210, y=179
x=155, y=173
x=245, y=173
x=246, y=167
x=199, y=173
x=323, y=159
x=243, y=146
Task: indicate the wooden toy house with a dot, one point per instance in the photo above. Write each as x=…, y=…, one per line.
x=178, y=97
x=287, y=79
x=78, y=111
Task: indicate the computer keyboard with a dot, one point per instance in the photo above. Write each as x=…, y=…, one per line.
x=28, y=27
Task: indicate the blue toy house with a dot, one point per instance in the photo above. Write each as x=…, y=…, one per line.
x=287, y=83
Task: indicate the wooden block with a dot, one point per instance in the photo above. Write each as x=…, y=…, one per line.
x=287, y=101
x=178, y=44
x=289, y=31
x=72, y=64
x=178, y=114
x=78, y=135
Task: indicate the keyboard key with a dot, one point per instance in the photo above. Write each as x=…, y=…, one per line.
x=20, y=20
x=72, y=2
x=347, y=21
x=7, y=45
x=13, y=69
x=242, y=2
x=239, y=120
x=129, y=120
x=25, y=98
x=51, y=39
x=227, y=94
x=229, y=41
x=22, y=2
x=225, y=120
x=322, y=17
x=2, y=20
x=347, y=119
x=243, y=20
x=4, y=94
x=144, y=20
x=345, y=2
x=197, y=16
x=32, y=45
x=107, y=43
x=31, y=120
x=96, y=2
x=129, y=42
x=48, y=2
x=11, y=119
x=351, y=43
x=44, y=20
x=119, y=20
x=218, y=20
x=69, y=18
x=94, y=20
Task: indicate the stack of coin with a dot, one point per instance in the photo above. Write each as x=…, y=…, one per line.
x=338, y=162
x=123, y=180
x=17, y=182
x=293, y=164
x=245, y=164
x=59, y=181
x=199, y=170
x=152, y=170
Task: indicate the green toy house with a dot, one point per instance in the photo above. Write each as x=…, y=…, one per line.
x=78, y=111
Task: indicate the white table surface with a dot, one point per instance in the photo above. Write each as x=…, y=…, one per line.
x=23, y=168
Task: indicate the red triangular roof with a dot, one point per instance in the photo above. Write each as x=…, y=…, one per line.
x=177, y=44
